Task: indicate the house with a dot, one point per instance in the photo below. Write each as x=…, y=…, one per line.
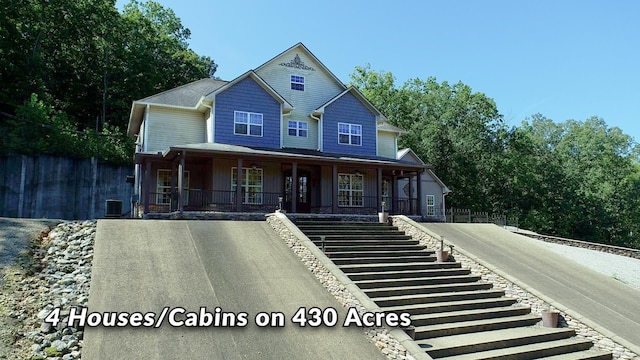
x=286, y=134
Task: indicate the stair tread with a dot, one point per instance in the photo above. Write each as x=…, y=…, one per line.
x=387, y=265
x=470, y=312
x=427, y=306
x=436, y=286
x=462, y=340
x=488, y=292
x=452, y=277
x=403, y=272
x=475, y=322
x=590, y=354
x=523, y=349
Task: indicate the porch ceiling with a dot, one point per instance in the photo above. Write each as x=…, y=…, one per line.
x=300, y=155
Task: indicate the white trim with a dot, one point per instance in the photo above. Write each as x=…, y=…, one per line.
x=297, y=128
x=351, y=190
x=350, y=125
x=248, y=113
x=146, y=129
x=303, y=83
x=245, y=200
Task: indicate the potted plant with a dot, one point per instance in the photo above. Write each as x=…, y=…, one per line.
x=442, y=255
x=383, y=216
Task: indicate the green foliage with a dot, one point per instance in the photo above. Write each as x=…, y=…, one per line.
x=40, y=129
x=573, y=179
x=86, y=62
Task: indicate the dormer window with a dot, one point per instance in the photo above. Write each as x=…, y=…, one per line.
x=297, y=82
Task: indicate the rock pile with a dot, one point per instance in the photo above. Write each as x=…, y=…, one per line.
x=61, y=280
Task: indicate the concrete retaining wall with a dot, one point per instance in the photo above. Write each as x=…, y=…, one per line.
x=60, y=187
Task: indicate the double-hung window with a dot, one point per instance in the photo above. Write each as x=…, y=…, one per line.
x=298, y=128
x=247, y=123
x=163, y=187
x=431, y=205
x=349, y=134
x=297, y=82
x=251, y=185
x=350, y=190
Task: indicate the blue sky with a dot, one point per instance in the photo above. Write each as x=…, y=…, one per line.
x=563, y=59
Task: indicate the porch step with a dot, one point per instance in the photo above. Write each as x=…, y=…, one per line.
x=379, y=254
x=362, y=236
x=530, y=351
x=590, y=354
x=426, y=289
x=383, y=267
x=420, y=281
x=449, y=306
x=491, y=340
x=400, y=300
x=474, y=326
x=405, y=274
x=351, y=243
x=373, y=248
x=352, y=259
x=469, y=315
x=338, y=223
x=342, y=230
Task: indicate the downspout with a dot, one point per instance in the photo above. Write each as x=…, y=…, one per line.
x=319, y=119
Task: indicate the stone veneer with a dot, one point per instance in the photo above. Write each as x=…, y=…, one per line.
x=524, y=297
x=380, y=336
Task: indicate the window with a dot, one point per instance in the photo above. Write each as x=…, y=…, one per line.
x=251, y=185
x=431, y=205
x=247, y=123
x=386, y=194
x=350, y=190
x=163, y=187
x=349, y=134
x=297, y=82
x=298, y=128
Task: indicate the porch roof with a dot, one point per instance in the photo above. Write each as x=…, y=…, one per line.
x=204, y=149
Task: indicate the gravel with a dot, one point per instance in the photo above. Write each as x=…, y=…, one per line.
x=622, y=268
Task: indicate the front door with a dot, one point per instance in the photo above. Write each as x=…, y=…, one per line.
x=303, y=198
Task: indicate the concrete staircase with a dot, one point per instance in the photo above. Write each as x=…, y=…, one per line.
x=456, y=315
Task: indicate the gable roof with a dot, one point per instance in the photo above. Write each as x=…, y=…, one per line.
x=263, y=84
x=185, y=96
x=300, y=46
x=408, y=153
x=355, y=92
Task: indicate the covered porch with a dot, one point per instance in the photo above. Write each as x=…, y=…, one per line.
x=205, y=177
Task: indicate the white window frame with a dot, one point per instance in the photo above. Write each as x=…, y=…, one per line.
x=350, y=133
x=431, y=205
x=251, y=193
x=297, y=128
x=349, y=195
x=252, y=120
x=163, y=192
x=297, y=81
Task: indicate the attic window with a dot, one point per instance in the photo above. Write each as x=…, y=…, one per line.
x=297, y=82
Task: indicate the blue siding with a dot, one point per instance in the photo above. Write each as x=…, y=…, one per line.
x=248, y=96
x=348, y=109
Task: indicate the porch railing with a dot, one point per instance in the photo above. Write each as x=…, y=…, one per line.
x=225, y=201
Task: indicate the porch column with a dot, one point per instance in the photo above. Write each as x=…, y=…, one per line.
x=394, y=194
x=181, y=182
x=334, y=190
x=410, y=194
x=294, y=186
x=419, y=191
x=379, y=194
x=239, y=186
x=173, y=194
x=147, y=185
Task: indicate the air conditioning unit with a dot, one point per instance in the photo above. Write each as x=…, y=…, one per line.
x=114, y=209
